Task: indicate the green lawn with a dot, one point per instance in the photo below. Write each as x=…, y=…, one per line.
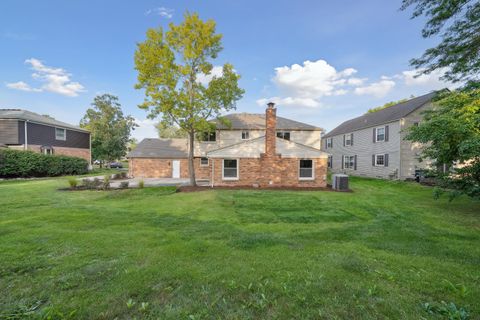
x=381, y=252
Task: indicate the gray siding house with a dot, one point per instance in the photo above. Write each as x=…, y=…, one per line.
x=26, y=130
x=373, y=145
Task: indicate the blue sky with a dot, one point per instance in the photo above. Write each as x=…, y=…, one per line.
x=323, y=62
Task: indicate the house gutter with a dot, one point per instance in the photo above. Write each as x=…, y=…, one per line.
x=25, y=145
x=213, y=171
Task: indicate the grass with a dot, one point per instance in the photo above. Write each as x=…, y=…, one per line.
x=388, y=250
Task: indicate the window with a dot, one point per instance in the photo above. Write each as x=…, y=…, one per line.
x=379, y=160
x=283, y=134
x=330, y=162
x=329, y=142
x=245, y=135
x=209, y=137
x=306, y=169
x=348, y=139
x=204, y=162
x=380, y=134
x=60, y=134
x=349, y=162
x=415, y=124
x=230, y=169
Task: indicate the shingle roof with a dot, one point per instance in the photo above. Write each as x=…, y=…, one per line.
x=255, y=147
x=241, y=121
x=386, y=115
x=35, y=117
x=160, y=148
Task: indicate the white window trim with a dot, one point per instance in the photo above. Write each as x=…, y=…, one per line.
x=329, y=145
x=345, y=162
x=376, y=134
x=380, y=165
x=313, y=170
x=64, y=134
x=349, y=139
x=283, y=134
x=247, y=134
x=204, y=165
x=223, y=169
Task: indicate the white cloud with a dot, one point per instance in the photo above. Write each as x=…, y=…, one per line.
x=56, y=80
x=146, y=129
x=431, y=80
x=304, y=85
x=204, y=79
x=290, y=101
x=377, y=89
x=312, y=79
x=20, y=85
x=161, y=11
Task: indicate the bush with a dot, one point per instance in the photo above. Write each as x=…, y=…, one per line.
x=24, y=164
x=72, y=181
x=106, y=182
x=124, y=185
x=120, y=175
x=91, y=184
x=141, y=184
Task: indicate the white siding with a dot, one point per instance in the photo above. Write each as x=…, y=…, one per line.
x=364, y=147
x=228, y=137
x=410, y=151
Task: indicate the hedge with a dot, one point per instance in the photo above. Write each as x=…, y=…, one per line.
x=24, y=164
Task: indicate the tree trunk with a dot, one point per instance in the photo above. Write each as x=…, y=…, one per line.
x=191, y=166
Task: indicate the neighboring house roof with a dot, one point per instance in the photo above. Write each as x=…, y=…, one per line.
x=255, y=147
x=160, y=148
x=386, y=115
x=35, y=117
x=241, y=121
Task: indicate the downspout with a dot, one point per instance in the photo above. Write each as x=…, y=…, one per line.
x=213, y=171
x=90, y=146
x=25, y=145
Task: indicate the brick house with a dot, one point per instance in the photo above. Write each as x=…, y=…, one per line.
x=26, y=130
x=254, y=150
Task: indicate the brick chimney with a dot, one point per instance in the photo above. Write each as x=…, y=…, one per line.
x=270, y=130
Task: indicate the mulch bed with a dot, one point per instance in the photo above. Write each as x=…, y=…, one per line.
x=206, y=188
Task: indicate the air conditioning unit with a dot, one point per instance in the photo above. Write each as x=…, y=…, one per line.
x=340, y=182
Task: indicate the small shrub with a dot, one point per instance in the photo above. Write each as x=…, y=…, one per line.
x=73, y=182
x=124, y=185
x=106, y=182
x=141, y=184
x=91, y=184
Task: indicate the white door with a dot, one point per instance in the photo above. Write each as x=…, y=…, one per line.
x=176, y=169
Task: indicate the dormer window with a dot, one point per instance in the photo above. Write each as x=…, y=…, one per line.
x=283, y=134
x=245, y=135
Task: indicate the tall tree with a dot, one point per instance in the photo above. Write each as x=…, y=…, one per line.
x=459, y=48
x=110, y=129
x=168, y=131
x=451, y=135
x=168, y=65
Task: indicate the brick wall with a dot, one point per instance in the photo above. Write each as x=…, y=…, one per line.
x=155, y=168
x=272, y=172
x=65, y=151
x=162, y=168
